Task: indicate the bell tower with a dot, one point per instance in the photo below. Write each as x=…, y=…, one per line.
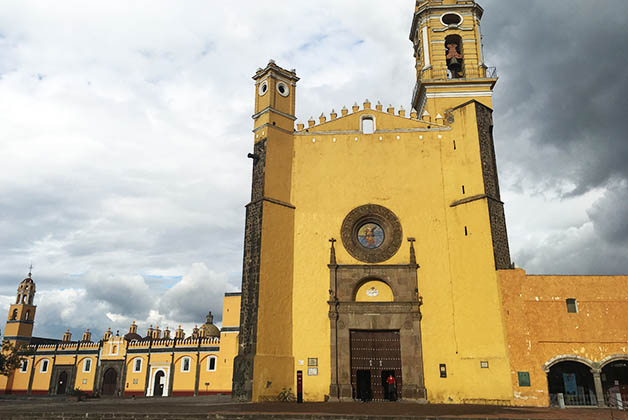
x=265, y=363
x=19, y=327
x=449, y=58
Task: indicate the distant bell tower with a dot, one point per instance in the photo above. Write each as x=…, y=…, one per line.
x=449, y=58
x=19, y=328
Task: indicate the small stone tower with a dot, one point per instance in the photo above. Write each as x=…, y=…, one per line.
x=264, y=356
x=19, y=328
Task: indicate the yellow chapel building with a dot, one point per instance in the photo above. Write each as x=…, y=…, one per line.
x=156, y=365
x=375, y=245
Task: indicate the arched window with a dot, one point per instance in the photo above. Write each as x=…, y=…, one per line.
x=137, y=365
x=455, y=62
x=24, y=366
x=27, y=315
x=44, y=366
x=14, y=316
x=87, y=365
x=211, y=363
x=185, y=364
x=24, y=299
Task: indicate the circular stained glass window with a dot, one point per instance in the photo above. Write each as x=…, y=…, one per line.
x=371, y=235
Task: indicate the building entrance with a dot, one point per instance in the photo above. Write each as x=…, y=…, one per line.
x=615, y=383
x=158, y=384
x=375, y=355
x=575, y=381
x=62, y=383
x=109, y=382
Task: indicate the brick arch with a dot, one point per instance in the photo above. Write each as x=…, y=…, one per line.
x=567, y=358
x=613, y=358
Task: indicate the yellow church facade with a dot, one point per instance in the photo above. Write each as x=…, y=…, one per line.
x=376, y=244
x=155, y=365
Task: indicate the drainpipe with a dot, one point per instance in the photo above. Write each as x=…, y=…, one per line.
x=73, y=379
x=147, y=380
x=124, y=367
x=198, y=365
x=171, y=373
x=54, y=360
x=30, y=380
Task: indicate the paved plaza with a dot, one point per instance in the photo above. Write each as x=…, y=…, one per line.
x=222, y=407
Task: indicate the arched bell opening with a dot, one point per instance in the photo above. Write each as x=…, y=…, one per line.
x=373, y=290
x=614, y=377
x=574, y=381
x=454, y=56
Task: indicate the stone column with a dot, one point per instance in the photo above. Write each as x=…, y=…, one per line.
x=599, y=391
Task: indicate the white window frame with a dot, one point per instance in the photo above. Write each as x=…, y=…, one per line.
x=367, y=118
x=44, y=362
x=135, y=369
x=209, y=359
x=85, y=367
x=183, y=359
x=24, y=366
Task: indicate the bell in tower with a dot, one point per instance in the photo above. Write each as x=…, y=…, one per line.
x=454, y=57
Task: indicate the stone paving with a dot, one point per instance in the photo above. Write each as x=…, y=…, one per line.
x=221, y=407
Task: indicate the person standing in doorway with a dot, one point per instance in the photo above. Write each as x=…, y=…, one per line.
x=391, y=383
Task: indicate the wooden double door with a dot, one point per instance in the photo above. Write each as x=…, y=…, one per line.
x=375, y=355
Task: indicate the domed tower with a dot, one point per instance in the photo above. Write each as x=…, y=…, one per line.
x=132, y=334
x=208, y=329
x=19, y=328
x=449, y=58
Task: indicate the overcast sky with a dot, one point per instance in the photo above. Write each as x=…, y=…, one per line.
x=124, y=129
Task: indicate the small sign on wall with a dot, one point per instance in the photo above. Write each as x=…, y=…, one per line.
x=524, y=378
x=312, y=371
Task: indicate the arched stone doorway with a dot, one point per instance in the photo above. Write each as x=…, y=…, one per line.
x=615, y=382
x=158, y=383
x=62, y=383
x=109, y=383
x=574, y=381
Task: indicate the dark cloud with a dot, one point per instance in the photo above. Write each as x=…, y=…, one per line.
x=562, y=88
x=610, y=216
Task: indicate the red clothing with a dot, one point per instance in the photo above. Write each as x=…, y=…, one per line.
x=390, y=380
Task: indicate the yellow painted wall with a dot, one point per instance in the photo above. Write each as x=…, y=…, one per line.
x=136, y=381
x=231, y=311
x=221, y=379
x=184, y=381
x=416, y=173
x=20, y=379
x=85, y=380
x=41, y=381
x=539, y=328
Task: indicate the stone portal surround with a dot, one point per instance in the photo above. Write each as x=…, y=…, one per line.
x=402, y=314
